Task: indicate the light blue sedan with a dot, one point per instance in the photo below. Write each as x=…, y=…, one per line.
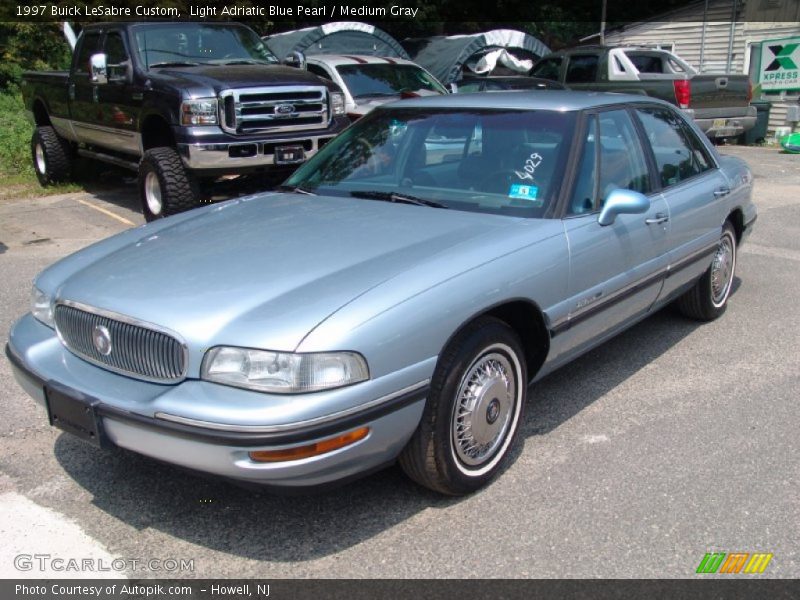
x=394, y=300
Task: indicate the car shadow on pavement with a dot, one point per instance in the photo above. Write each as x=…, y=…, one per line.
x=260, y=525
x=119, y=186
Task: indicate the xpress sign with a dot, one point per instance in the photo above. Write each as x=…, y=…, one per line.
x=780, y=64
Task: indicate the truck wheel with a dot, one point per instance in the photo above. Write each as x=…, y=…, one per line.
x=52, y=156
x=165, y=188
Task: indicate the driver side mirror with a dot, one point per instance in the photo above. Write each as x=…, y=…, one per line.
x=620, y=202
x=295, y=59
x=98, y=69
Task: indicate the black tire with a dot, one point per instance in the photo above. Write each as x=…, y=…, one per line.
x=708, y=299
x=436, y=455
x=165, y=187
x=52, y=156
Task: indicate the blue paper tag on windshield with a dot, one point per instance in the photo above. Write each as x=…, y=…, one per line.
x=520, y=191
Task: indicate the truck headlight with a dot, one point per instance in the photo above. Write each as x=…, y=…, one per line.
x=199, y=112
x=337, y=103
x=283, y=372
x=42, y=307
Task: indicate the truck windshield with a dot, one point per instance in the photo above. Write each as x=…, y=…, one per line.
x=175, y=44
x=387, y=80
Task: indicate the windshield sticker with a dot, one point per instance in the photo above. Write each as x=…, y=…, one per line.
x=533, y=161
x=528, y=193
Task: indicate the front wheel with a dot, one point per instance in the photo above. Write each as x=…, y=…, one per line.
x=165, y=187
x=473, y=411
x=708, y=299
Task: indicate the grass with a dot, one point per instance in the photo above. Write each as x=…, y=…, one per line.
x=16, y=169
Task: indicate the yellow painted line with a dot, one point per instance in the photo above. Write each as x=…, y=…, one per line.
x=107, y=212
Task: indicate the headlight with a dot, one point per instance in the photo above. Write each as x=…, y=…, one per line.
x=282, y=372
x=199, y=112
x=337, y=103
x=42, y=307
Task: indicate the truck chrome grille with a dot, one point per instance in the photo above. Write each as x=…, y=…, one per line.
x=132, y=349
x=268, y=110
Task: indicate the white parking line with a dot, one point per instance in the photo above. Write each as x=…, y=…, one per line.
x=41, y=543
x=107, y=212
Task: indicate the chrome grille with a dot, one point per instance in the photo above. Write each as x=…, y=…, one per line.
x=136, y=350
x=253, y=110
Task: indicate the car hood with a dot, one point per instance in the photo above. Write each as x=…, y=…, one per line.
x=263, y=271
x=222, y=77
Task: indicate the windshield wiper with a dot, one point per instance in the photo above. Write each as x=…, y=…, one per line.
x=177, y=63
x=398, y=198
x=297, y=189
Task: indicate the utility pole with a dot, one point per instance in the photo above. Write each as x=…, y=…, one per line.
x=603, y=25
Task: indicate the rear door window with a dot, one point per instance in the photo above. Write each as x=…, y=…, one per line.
x=549, y=68
x=678, y=153
x=582, y=68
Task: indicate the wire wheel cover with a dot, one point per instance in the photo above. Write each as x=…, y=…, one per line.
x=484, y=408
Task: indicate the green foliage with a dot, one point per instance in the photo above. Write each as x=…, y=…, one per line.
x=34, y=46
x=15, y=137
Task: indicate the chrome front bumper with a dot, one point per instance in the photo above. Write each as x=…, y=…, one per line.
x=128, y=410
x=234, y=156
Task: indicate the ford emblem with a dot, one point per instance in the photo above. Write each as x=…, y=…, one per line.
x=101, y=338
x=284, y=110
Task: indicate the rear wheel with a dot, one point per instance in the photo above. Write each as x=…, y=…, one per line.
x=708, y=299
x=165, y=187
x=473, y=411
x=52, y=156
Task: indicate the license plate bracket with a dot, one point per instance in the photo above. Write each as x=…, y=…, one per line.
x=75, y=413
x=289, y=155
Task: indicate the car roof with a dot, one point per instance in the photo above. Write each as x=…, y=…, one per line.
x=561, y=100
x=337, y=60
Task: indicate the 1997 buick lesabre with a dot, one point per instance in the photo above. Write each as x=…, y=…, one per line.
x=396, y=297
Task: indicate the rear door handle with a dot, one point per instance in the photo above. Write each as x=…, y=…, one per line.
x=658, y=219
x=720, y=192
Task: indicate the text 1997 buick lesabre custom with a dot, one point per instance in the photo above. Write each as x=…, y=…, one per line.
x=395, y=300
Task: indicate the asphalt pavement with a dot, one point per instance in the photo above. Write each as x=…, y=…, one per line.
x=670, y=441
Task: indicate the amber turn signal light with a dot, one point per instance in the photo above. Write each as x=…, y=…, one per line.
x=315, y=449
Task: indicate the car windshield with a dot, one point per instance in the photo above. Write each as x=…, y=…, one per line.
x=508, y=162
x=187, y=44
x=377, y=79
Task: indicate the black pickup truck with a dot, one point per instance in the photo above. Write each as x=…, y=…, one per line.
x=182, y=104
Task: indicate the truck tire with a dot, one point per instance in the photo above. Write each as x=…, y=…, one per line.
x=165, y=187
x=52, y=156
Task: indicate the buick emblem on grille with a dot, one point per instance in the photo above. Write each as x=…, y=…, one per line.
x=284, y=110
x=101, y=338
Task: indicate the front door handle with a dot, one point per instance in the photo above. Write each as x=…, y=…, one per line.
x=720, y=192
x=658, y=219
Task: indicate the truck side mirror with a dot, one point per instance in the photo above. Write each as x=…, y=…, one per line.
x=295, y=59
x=98, y=68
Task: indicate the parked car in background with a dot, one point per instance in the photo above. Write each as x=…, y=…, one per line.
x=388, y=303
x=369, y=81
x=718, y=102
x=499, y=83
x=181, y=104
